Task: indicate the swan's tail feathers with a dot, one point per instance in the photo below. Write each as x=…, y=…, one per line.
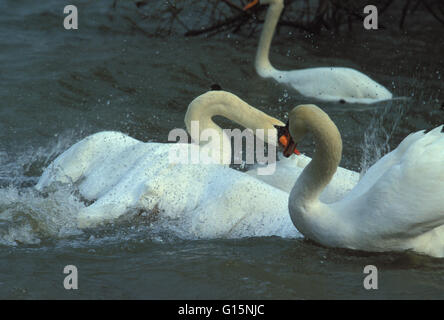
x=415, y=141
x=408, y=141
x=422, y=147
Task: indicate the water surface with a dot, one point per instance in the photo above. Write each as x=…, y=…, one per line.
x=59, y=86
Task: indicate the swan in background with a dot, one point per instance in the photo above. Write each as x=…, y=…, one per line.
x=325, y=83
x=397, y=205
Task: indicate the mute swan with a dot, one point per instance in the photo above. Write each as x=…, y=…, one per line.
x=398, y=204
x=120, y=172
x=325, y=83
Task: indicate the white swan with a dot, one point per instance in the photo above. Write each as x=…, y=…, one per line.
x=120, y=173
x=398, y=204
x=325, y=83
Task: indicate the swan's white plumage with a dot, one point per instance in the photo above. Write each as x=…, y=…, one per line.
x=407, y=200
x=334, y=84
x=398, y=204
x=408, y=197
x=120, y=173
x=385, y=163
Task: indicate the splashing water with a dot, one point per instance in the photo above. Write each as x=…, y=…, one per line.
x=378, y=134
x=27, y=216
x=22, y=168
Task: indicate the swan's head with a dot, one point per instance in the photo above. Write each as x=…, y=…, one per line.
x=297, y=127
x=310, y=118
x=269, y=2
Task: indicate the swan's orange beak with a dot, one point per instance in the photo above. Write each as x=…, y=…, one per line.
x=287, y=142
x=251, y=4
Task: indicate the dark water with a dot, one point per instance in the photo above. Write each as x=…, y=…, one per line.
x=119, y=71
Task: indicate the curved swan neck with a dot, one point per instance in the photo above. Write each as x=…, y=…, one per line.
x=326, y=158
x=221, y=103
x=263, y=65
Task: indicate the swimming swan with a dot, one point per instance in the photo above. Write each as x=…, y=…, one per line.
x=325, y=83
x=397, y=205
x=119, y=173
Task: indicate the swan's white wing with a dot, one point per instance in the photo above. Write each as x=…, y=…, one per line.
x=85, y=155
x=204, y=201
x=406, y=200
x=375, y=172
